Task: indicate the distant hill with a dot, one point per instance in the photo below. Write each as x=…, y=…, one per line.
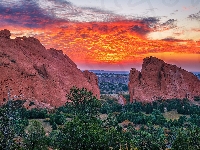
x=196, y=73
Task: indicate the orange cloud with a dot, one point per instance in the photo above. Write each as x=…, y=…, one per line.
x=196, y=29
x=106, y=42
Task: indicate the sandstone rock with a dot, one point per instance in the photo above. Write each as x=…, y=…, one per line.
x=93, y=80
x=5, y=34
x=38, y=75
x=159, y=80
x=121, y=100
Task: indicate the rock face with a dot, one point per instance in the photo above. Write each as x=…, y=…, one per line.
x=31, y=72
x=93, y=80
x=5, y=34
x=121, y=100
x=159, y=80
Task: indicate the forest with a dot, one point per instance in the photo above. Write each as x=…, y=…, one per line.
x=86, y=123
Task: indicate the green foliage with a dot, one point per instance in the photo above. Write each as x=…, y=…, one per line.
x=110, y=106
x=149, y=138
x=54, y=126
x=137, y=118
x=83, y=102
x=12, y=125
x=77, y=125
x=187, y=139
x=196, y=98
x=34, y=138
x=7, y=131
x=79, y=135
x=36, y=113
x=195, y=119
x=134, y=107
x=57, y=118
x=157, y=118
x=111, y=121
x=149, y=108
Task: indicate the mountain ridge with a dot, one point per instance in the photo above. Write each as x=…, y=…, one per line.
x=32, y=72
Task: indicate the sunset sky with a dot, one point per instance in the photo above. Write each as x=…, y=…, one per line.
x=110, y=34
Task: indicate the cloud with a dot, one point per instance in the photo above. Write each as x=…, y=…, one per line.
x=169, y=24
x=61, y=14
x=28, y=15
x=195, y=16
x=139, y=29
x=172, y=39
x=97, y=10
x=150, y=21
x=11, y=3
x=58, y=9
x=154, y=24
x=173, y=13
x=95, y=14
x=67, y=11
x=195, y=29
x=36, y=13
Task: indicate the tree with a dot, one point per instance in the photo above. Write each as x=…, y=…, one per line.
x=36, y=113
x=12, y=125
x=57, y=118
x=187, y=139
x=148, y=138
x=157, y=118
x=34, y=138
x=7, y=132
x=83, y=102
x=149, y=108
x=78, y=134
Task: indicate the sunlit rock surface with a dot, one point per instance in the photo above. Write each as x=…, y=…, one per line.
x=159, y=80
x=31, y=72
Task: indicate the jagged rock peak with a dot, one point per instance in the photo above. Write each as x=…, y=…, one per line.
x=159, y=80
x=152, y=60
x=5, y=34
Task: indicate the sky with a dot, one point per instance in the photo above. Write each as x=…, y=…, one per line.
x=110, y=34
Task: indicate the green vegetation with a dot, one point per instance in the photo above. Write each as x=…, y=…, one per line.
x=111, y=83
x=112, y=88
x=164, y=124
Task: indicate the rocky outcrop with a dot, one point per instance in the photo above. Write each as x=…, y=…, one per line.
x=5, y=34
x=31, y=72
x=121, y=100
x=93, y=80
x=159, y=80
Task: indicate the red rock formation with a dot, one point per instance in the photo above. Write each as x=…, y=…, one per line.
x=93, y=80
x=34, y=73
x=121, y=100
x=159, y=80
x=5, y=34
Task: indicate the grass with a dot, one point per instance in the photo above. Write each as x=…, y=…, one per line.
x=46, y=125
x=172, y=115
